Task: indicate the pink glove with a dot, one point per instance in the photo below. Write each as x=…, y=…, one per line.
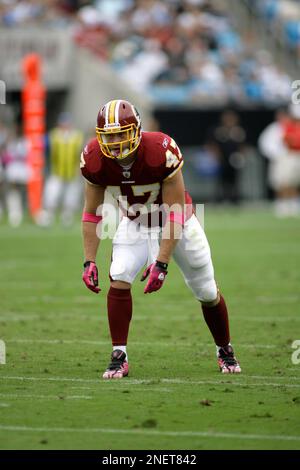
x=158, y=272
x=90, y=276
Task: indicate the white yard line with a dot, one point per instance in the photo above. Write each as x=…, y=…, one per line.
x=223, y=382
x=48, y=379
x=19, y=318
x=77, y=387
x=12, y=317
x=45, y=397
x=290, y=377
x=265, y=319
x=59, y=341
x=77, y=397
x=137, y=343
x=216, y=435
x=276, y=299
x=7, y=284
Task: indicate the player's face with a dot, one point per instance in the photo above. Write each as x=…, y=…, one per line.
x=114, y=139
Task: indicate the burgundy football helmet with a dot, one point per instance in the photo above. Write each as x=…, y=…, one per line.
x=118, y=129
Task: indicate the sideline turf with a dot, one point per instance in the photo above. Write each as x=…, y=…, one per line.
x=174, y=398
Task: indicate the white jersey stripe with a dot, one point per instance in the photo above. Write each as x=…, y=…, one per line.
x=107, y=113
x=133, y=111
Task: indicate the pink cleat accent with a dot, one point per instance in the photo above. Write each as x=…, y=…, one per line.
x=118, y=368
x=227, y=362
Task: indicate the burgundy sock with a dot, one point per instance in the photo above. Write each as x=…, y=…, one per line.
x=119, y=308
x=217, y=321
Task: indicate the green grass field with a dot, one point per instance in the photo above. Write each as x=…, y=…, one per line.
x=57, y=341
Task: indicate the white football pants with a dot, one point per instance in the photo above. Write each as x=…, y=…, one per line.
x=135, y=246
x=284, y=172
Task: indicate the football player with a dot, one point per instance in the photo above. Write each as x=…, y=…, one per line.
x=145, y=168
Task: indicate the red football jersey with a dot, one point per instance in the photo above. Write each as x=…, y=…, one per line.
x=158, y=158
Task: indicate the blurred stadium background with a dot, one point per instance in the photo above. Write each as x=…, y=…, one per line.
x=182, y=62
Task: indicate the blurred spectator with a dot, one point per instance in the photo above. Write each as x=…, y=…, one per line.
x=280, y=143
x=17, y=13
x=178, y=52
x=227, y=141
x=3, y=142
x=63, y=186
x=149, y=62
x=276, y=85
x=1, y=188
x=282, y=19
x=182, y=52
x=16, y=173
x=14, y=13
x=70, y=6
x=206, y=163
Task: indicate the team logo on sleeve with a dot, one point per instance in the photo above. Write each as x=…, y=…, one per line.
x=165, y=143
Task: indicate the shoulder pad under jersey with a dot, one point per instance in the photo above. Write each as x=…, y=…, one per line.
x=161, y=150
x=91, y=163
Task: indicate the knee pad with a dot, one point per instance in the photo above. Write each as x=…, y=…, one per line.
x=118, y=271
x=205, y=292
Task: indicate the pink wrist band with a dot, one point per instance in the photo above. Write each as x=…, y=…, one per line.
x=88, y=217
x=177, y=217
